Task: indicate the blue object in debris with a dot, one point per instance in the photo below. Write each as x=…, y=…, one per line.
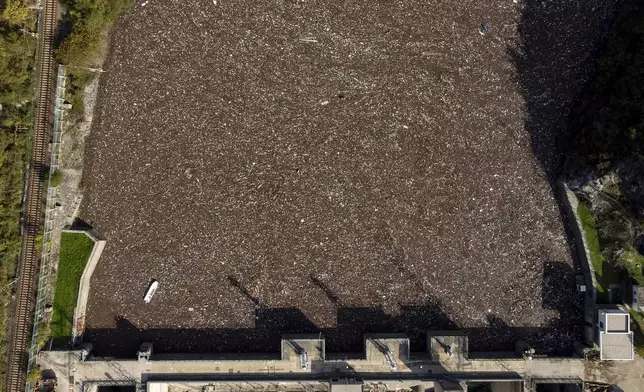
x=484, y=27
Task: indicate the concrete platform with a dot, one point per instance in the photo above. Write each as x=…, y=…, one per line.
x=313, y=345
x=279, y=375
x=379, y=346
x=75, y=375
x=450, y=349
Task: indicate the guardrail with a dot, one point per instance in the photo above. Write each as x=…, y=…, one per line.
x=45, y=294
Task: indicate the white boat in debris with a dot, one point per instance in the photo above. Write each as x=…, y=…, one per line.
x=151, y=291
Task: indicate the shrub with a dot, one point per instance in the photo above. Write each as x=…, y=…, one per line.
x=632, y=262
x=16, y=61
x=90, y=20
x=16, y=12
x=56, y=178
x=38, y=241
x=34, y=375
x=80, y=48
x=44, y=331
x=615, y=229
x=78, y=79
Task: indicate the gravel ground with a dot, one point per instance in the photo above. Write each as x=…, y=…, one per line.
x=288, y=165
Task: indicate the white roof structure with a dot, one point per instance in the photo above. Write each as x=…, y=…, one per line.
x=615, y=335
x=616, y=346
x=158, y=387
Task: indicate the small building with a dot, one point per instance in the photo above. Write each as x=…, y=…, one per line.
x=346, y=384
x=615, y=335
x=452, y=346
x=638, y=298
x=556, y=384
x=450, y=386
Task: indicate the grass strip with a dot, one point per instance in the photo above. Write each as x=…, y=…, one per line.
x=605, y=272
x=638, y=331
x=75, y=249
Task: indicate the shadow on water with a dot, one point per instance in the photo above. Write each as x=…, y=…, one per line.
x=270, y=324
x=558, y=43
x=554, y=60
x=554, y=338
x=352, y=323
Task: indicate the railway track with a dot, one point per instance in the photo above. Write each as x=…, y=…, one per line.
x=30, y=254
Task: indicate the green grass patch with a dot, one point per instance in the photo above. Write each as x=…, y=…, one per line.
x=605, y=272
x=75, y=249
x=638, y=331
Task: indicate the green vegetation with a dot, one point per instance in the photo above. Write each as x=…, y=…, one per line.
x=34, y=375
x=77, y=80
x=44, y=331
x=638, y=330
x=588, y=223
x=611, y=238
x=632, y=262
x=75, y=249
x=605, y=272
x=16, y=12
x=16, y=63
x=89, y=22
x=38, y=241
x=609, y=142
x=17, y=49
x=56, y=178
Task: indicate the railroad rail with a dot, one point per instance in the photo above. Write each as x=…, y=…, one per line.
x=29, y=256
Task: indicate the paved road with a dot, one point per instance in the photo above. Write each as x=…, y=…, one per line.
x=66, y=363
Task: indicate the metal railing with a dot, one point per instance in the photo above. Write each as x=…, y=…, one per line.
x=44, y=293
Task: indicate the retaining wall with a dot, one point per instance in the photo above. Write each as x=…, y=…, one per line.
x=571, y=202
